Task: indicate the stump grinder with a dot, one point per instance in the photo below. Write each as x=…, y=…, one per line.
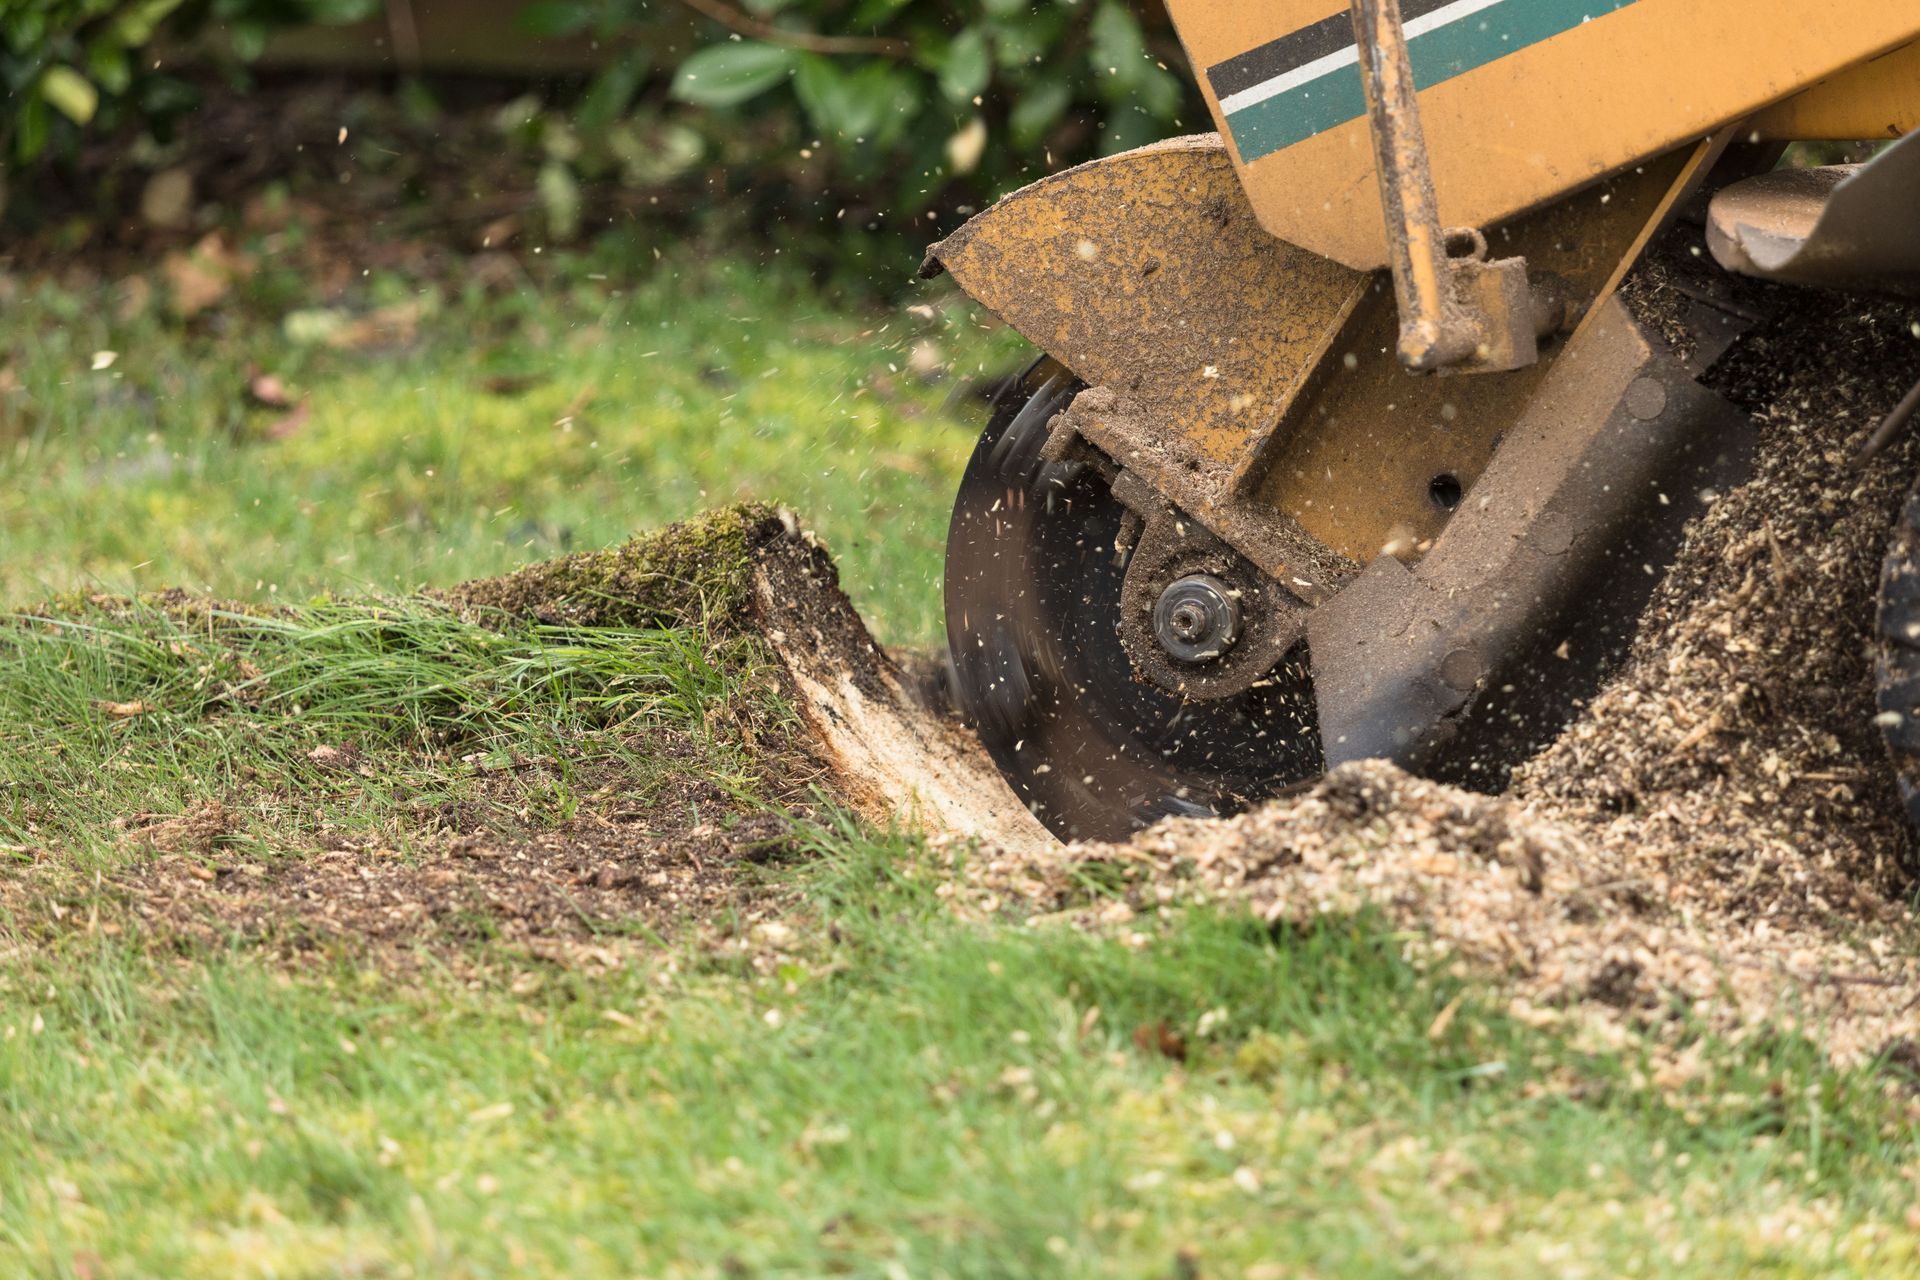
x=1350, y=438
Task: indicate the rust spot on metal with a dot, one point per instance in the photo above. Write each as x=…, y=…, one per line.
x=1356, y=455
x=1147, y=273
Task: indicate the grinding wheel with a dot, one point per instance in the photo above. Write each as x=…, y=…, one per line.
x=1033, y=589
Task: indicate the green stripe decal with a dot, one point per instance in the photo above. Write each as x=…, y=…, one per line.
x=1438, y=56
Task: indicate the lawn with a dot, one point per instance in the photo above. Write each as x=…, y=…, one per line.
x=829, y=1073
x=904, y=1095
x=421, y=435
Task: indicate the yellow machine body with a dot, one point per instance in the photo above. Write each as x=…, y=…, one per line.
x=1525, y=101
x=1224, y=538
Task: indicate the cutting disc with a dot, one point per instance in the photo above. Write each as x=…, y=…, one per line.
x=1033, y=608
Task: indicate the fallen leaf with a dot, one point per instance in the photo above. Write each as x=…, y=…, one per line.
x=1158, y=1037
x=267, y=391
x=388, y=326
x=167, y=200
x=193, y=286
x=498, y=233
x=1444, y=1018
x=510, y=384
x=202, y=276
x=132, y=297
x=124, y=710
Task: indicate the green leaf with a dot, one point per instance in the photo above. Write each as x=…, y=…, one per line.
x=612, y=91
x=873, y=14
x=1125, y=130
x=248, y=39
x=967, y=66
x=1118, y=52
x=846, y=104
x=560, y=199
x=728, y=74
x=70, y=93
x=136, y=23
x=1158, y=94
x=655, y=156
x=163, y=96
x=1038, y=110
x=30, y=139
x=334, y=13
x=108, y=65
x=555, y=17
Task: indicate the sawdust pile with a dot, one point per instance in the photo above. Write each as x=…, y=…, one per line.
x=1717, y=835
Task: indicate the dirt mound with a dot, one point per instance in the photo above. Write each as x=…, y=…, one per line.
x=1598, y=934
x=1738, y=741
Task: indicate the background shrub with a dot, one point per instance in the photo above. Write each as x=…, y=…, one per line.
x=818, y=122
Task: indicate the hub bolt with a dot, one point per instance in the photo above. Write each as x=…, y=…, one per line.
x=1196, y=619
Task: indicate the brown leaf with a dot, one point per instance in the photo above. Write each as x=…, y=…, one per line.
x=195, y=832
x=498, y=233
x=394, y=325
x=167, y=199
x=1158, y=1037
x=327, y=757
x=202, y=276
x=510, y=384
x=267, y=391
x=132, y=296
x=1444, y=1019
x=124, y=710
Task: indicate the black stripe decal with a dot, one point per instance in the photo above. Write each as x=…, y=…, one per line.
x=1296, y=49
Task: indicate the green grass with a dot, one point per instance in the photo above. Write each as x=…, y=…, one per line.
x=890, y=1091
x=906, y=1095
x=140, y=708
x=488, y=427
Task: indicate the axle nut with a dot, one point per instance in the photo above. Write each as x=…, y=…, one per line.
x=1196, y=619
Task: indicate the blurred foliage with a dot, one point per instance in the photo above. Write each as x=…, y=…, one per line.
x=855, y=117
x=68, y=64
x=935, y=82
x=851, y=131
x=912, y=98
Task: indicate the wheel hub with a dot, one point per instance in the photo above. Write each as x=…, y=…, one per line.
x=1056, y=655
x=1196, y=619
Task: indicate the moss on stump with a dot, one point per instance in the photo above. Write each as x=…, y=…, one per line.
x=695, y=573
